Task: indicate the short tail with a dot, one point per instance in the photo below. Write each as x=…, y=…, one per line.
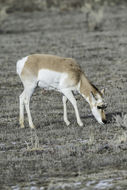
x=20, y=64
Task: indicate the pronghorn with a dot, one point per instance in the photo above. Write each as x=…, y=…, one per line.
x=63, y=75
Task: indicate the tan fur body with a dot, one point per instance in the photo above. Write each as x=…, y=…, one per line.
x=37, y=62
x=44, y=69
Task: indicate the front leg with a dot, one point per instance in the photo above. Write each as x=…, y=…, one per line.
x=71, y=98
x=65, y=111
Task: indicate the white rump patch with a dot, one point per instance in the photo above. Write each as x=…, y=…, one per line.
x=20, y=64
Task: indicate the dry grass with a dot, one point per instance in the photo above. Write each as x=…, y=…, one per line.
x=34, y=144
x=121, y=121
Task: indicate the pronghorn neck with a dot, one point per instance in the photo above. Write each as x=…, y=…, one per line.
x=86, y=88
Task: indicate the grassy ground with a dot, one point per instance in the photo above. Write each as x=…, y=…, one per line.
x=54, y=156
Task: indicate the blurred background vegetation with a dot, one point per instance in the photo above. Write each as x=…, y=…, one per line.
x=39, y=5
x=94, y=9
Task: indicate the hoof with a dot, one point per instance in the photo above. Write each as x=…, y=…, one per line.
x=32, y=127
x=67, y=123
x=80, y=124
x=22, y=125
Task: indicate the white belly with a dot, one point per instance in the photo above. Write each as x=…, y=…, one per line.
x=51, y=79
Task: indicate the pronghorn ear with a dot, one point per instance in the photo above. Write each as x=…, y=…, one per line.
x=103, y=91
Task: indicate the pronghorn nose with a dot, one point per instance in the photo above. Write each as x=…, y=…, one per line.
x=104, y=121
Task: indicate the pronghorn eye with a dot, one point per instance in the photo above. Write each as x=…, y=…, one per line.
x=104, y=106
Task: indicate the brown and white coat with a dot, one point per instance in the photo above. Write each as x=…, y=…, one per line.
x=63, y=75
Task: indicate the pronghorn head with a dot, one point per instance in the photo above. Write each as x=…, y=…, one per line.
x=98, y=106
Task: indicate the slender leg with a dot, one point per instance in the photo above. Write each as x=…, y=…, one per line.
x=71, y=98
x=65, y=110
x=28, y=94
x=21, y=116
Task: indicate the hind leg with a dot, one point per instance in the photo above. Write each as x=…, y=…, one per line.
x=21, y=114
x=28, y=93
